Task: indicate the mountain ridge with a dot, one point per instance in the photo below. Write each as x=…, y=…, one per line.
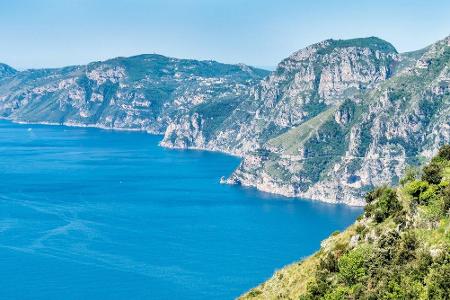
x=138, y=92
x=320, y=126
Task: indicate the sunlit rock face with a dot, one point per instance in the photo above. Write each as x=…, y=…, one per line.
x=333, y=120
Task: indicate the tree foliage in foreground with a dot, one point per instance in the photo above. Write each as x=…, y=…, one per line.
x=400, y=248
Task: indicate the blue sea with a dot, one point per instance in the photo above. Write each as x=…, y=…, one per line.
x=95, y=214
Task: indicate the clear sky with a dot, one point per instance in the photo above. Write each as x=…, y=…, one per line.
x=51, y=33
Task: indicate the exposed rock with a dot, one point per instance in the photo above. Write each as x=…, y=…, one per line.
x=333, y=120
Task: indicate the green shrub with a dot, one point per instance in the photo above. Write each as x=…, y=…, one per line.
x=428, y=195
x=383, y=204
x=328, y=263
x=400, y=218
x=432, y=173
x=338, y=294
x=406, y=248
x=375, y=194
x=352, y=266
x=444, y=152
x=360, y=228
x=438, y=279
x=254, y=293
x=416, y=188
x=446, y=199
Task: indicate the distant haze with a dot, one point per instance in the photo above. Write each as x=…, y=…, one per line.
x=52, y=33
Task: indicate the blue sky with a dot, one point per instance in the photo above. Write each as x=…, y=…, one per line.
x=51, y=33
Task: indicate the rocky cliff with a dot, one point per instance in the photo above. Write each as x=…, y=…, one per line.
x=303, y=85
x=332, y=121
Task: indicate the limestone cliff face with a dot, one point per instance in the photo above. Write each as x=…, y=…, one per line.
x=303, y=85
x=362, y=142
x=141, y=92
x=333, y=120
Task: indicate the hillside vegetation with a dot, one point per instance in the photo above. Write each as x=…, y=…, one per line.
x=398, y=249
x=333, y=121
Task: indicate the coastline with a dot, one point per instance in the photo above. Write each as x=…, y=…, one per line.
x=280, y=191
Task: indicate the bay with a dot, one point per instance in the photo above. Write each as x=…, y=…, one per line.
x=87, y=213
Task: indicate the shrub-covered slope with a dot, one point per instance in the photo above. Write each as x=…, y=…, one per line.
x=398, y=249
x=141, y=92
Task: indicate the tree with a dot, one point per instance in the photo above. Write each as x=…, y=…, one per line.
x=352, y=266
x=444, y=152
x=432, y=173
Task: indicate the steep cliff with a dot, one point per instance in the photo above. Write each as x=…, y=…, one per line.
x=332, y=121
x=305, y=84
x=363, y=141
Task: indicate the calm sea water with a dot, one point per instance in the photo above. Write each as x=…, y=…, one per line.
x=94, y=214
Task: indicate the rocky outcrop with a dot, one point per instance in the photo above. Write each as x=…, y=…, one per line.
x=333, y=120
x=306, y=83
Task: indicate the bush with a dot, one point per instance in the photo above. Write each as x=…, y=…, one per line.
x=438, y=280
x=387, y=247
x=416, y=188
x=383, y=204
x=432, y=173
x=328, y=263
x=446, y=199
x=406, y=248
x=428, y=195
x=338, y=294
x=444, y=152
x=375, y=194
x=352, y=266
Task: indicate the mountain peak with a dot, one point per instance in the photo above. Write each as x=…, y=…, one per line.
x=372, y=42
x=6, y=70
x=331, y=45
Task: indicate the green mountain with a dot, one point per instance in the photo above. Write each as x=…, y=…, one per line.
x=398, y=249
x=141, y=92
x=333, y=120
